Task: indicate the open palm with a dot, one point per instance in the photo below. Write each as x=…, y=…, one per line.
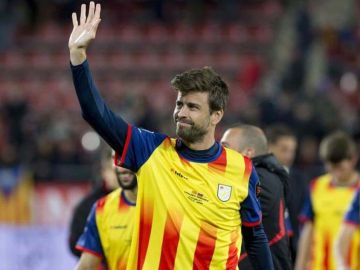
x=84, y=32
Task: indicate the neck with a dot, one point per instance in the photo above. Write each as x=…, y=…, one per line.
x=131, y=194
x=206, y=143
x=352, y=179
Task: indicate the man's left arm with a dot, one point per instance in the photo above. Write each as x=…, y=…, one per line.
x=255, y=240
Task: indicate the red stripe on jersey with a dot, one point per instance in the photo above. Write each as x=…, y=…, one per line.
x=121, y=263
x=146, y=216
x=248, y=168
x=167, y=142
x=86, y=250
x=282, y=231
x=232, y=260
x=205, y=247
x=220, y=163
x=251, y=224
x=126, y=146
x=100, y=204
x=327, y=252
x=349, y=254
x=170, y=241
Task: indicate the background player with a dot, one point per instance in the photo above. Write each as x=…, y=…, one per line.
x=251, y=142
x=348, y=231
x=108, y=232
x=193, y=174
x=109, y=183
x=329, y=197
x=283, y=144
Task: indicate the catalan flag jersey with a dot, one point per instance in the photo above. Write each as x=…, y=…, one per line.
x=352, y=218
x=326, y=206
x=109, y=229
x=191, y=205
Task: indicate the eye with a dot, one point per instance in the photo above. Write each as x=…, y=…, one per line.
x=193, y=107
x=179, y=104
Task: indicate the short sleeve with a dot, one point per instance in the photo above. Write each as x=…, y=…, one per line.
x=250, y=210
x=139, y=145
x=307, y=212
x=352, y=216
x=89, y=241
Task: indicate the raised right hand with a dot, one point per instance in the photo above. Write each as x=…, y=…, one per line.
x=83, y=33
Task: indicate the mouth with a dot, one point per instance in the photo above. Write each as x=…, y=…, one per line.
x=184, y=124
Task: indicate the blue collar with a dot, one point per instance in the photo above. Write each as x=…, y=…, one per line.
x=126, y=199
x=201, y=156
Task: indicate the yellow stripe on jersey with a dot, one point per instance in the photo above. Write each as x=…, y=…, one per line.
x=186, y=222
x=115, y=221
x=329, y=204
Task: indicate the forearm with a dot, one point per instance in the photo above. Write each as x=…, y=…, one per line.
x=342, y=246
x=95, y=111
x=304, y=247
x=88, y=262
x=257, y=247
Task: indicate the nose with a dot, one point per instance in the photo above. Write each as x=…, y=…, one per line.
x=182, y=112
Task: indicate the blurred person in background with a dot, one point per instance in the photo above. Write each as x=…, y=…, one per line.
x=348, y=231
x=109, y=182
x=109, y=227
x=251, y=142
x=185, y=183
x=328, y=199
x=283, y=144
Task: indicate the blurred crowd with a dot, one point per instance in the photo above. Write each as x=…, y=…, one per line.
x=40, y=121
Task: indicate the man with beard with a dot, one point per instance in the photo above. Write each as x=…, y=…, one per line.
x=108, y=232
x=251, y=142
x=107, y=184
x=195, y=198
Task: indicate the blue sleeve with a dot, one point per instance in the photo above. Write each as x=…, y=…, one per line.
x=89, y=241
x=110, y=127
x=250, y=210
x=257, y=247
x=353, y=214
x=139, y=146
x=307, y=212
x=132, y=145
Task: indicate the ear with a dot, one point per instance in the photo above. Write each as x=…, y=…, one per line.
x=216, y=117
x=250, y=152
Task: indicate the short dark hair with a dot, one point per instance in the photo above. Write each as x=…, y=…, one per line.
x=203, y=80
x=277, y=131
x=336, y=147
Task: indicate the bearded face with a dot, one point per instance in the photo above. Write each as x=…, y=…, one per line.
x=192, y=116
x=127, y=179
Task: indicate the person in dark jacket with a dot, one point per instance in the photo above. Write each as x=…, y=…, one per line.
x=283, y=143
x=82, y=209
x=251, y=142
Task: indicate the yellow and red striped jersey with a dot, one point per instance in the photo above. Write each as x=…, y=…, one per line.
x=189, y=211
x=109, y=230
x=326, y=206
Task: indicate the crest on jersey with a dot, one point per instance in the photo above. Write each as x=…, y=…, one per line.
x=224, y=192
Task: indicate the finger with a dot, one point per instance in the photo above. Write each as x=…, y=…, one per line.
x=83, y=14
x=91, y=12
x=97, y=12
x=74, y=19
x=95, y=24
x=94, y=27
